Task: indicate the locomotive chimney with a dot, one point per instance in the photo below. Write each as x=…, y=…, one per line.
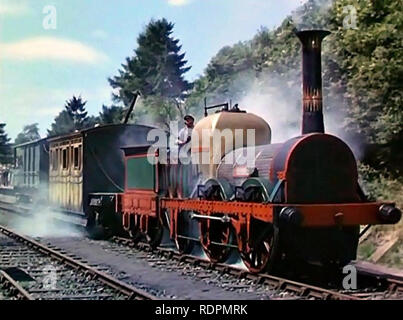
x=312, y=119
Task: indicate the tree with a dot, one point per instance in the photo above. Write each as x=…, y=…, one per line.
x=62, y=124
x=5, y=147
x=29, y=133
x=369, y=60
x=73, y=118
x=234, y=72
x=363, y=68
x=157, y=70
x=75, y=107
x=111, y=115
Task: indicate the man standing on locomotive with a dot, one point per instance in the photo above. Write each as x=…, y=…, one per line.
x=185, y=134
x=184, y=137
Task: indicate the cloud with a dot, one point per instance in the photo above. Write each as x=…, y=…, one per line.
x=33, y=104
x=13, y=9
x=296, y=2
x=178, y=2
x=50, y=48
x=99, y=34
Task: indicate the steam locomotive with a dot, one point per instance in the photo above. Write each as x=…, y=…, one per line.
x=297, y=201
x=300, y=201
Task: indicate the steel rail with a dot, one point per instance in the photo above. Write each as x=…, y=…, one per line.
x=131, y=292
x=276, y=283
x=18, y=290
x=393, y=285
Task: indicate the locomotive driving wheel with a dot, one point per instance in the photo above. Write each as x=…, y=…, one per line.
x=182, y=240
x=146, y=228
x=257, y=256
x=260, y=252
x=96, y=226
x=215, y=231
x=154, y=233
x=216, y=237
x=134, y=231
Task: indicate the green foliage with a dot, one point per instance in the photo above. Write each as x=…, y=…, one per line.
x=226, y=77
x=379, y=184
x=111, y=115
x=370, y=62
x=62, y=124
x=366, y=250
x=157, y=70
x=75, y=108
x=5, y=147
x=363, y=69
x=271, y=58
x=394, y=257
x=73, y=118
x=29, y=133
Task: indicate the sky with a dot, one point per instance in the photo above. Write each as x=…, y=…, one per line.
x=52, y=50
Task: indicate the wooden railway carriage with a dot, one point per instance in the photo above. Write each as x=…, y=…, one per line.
x=30, y=173
x=89, y=161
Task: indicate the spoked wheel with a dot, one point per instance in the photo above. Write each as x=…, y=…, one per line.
x=216, y=236
x=154, y=233
x=182, y=240
x=134, y=232
x=183, y=223
x=261, y=250
x=259, y=256
x=94, y=226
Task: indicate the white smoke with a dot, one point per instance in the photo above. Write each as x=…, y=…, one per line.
x=43, y=222
x=302, y=16
x=267, y=98
x=279, y=102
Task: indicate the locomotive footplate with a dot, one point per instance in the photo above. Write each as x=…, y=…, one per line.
x=305, y=215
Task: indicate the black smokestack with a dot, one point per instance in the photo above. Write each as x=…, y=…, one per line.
x=312, y=119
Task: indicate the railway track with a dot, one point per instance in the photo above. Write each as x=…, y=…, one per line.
x=377, y=286
x=280, y=287
x=77, y=221
x=32, y=271
x=12, y=207
x=389, y=289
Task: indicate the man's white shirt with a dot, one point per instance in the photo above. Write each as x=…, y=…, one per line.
x=184, y=133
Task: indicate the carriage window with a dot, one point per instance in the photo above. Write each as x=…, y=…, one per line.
x=55, y=159
x=25, y=159
x=76, y=158
x=64, y=158
x=25, y=164
x=80, y=156
x=52, y=162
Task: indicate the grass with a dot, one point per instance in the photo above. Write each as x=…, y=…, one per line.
x=394, y=257
x=366, y=250
x=382, y=188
